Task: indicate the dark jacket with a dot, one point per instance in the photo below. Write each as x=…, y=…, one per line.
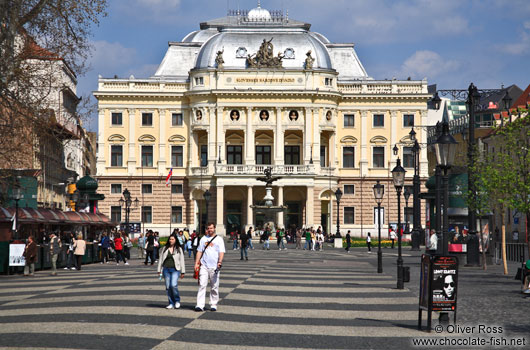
x=30, y=253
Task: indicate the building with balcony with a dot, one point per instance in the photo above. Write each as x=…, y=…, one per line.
x=256, y=89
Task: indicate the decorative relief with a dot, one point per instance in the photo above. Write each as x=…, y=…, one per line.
x=264, y=115
x=147, y=138
x=348, y=139
x=116, y=138
x=234, y=115
x=378, y=139
x=293, y=115
x=264, y=58
x=177, y=138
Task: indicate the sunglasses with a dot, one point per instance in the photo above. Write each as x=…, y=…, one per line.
x=452, y=284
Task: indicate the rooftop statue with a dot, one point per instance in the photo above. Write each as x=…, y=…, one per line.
x=219, y=59
x=268, y=179
x=309, y=60
x=264, y=58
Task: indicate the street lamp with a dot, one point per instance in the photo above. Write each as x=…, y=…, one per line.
x=207, y=196
x=406, y=194
x=16, y=194
x=398, y=176
x=126, y=201
x=445, y=148
x=416, y=217
x=338, y=196
x=379, y=191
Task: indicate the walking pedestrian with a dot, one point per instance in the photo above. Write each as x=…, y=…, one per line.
x=79, y=250
x=105, y=245
x=157, y=246
x=279, y=239
x=149, y=248
x=141, y=246
x=298, y=239
x=70, y=261
x=392, y=236
x=235, y=237
x=320, y=241
x=313, y=239
x=209, y=260
x=243, y=243
x=369, y=242
x=172, y=266
x=30, y=254
x=266, y=238
x=127, y=245
x=249, y=233
x=348, y=241
x=307, y=244
x=55, y=248
x=118, y=246
x=433, y=242
x=195, y=243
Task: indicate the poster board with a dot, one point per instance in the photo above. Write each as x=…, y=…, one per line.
x=444, y=283
x=16, y=252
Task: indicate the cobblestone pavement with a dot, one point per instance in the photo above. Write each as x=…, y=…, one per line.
x=286, y=299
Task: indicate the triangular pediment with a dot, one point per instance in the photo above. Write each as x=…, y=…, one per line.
x=116, y=138
x=235, y=138
x=177, y=138
x=264, y=139
x=348, y=139
x=146, y=138
x=378, y=139
x=293, y=138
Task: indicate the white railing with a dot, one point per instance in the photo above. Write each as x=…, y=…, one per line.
x=198, y=171
x=140, y=85
x=384, y=87
x=255, y=169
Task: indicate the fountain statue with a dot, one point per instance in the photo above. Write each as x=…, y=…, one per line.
x=269, y=209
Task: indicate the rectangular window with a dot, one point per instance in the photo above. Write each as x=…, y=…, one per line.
x=115, y=188
x=147, y=188
x=176, y=215
x=199, y=81
x=348, y=157
x=408, y=120
x=177, y=156
x=349, y=189
x=147, y=119
x=116, y=155
x=147, y=156
x=204, y=155
x=323, y=156
x=234, y=154
x=176, y=188
x=349, y=120
x=379, y=120
x=378, y=157
x=147, y=215
x=382, y=213
x=115, y=213
x=408, y=157
x=263, y=154
x=349, y=215
x=176, y=119
x=116, y=119
x=292, y=155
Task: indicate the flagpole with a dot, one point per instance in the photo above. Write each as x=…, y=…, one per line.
x=170, y=201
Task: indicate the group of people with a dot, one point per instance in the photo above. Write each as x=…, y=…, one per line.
x=209, y=254
x=117, y=242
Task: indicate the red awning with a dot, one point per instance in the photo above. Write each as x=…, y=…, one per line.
x=52, y=216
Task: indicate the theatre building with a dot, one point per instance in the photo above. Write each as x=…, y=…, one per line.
x=252, y=90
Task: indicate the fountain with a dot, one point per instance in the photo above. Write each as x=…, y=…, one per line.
x=269, y=209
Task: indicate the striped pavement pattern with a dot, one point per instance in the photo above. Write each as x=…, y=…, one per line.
x=278, y=300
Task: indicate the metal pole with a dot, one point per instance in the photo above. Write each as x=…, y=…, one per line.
x=416, y=219
x=472, y=240
x=445, y=232
x=338, y=222
x=16, y=219
x=438, y=206
x=400, y=283
x=379, y=252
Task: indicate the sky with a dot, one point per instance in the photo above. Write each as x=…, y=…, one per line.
x=450, y=42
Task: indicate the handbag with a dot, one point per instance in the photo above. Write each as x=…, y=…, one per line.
x=196, y=271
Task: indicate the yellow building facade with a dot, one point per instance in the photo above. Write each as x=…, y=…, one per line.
x=245, y=92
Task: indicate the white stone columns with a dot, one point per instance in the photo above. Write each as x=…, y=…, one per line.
x=424, y=163
x=364, y=143
x=332, y=152
x=309, y=209
x=249, y=209
x=220, y=135
x=190, y=139
x=279, y=139
x=316, y=141
x=307, y=134
x=220, y=229
x=102, y=150
x=280, y=202
x=131, y=159
x=195, y=150
x=250, y=149
x=212, y=118
x=393, y=140
x=162, y=141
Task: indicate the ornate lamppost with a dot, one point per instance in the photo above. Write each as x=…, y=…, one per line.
x=379, y=191
x=126, y=202
x=338, y=196
x=416, y=217
x=445, y=148
x=398, y=177
x=16, y=195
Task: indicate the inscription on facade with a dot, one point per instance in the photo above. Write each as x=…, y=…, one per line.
x=265, y=80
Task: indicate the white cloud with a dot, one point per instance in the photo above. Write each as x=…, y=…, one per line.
x=143, y=71
x=111, y=58
x=526, y=25
x=428, y=64
x=520, y=48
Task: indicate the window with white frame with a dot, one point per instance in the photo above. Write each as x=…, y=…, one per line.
x=115, y=188
x=176, y=215
x=147, y=119
x=408, y=157
x=349, y=120
x=176, y=119
x=147, y=214
x=349, y=189
x=176, y=188
x=115, y=213
x=349, y=215
x=147, y=188
x=116, y=155
x=177, y=156
x=408, y=120
x=379, y=120
x=348, y=157
x=147, y=156
x=378, y=157
x=116, y=118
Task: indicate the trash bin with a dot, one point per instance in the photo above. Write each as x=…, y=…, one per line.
x=406, y=273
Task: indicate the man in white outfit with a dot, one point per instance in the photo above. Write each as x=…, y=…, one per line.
x=209, y=259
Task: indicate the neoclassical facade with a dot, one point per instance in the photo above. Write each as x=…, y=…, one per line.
x=245, y=92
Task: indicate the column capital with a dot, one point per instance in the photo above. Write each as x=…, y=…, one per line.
x=393, y=114
x=364, y=114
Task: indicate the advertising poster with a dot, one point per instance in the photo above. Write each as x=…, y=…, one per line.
x=444, y=283
x=16, y=252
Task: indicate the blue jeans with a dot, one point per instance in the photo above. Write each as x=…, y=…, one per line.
x=307, y=244
x=236, y=244
x=244, y=250
x=250, y=244
x=266, y=244
x=171, y=276
x=280, y=244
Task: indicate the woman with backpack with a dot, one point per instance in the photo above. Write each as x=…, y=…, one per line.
x=172, y=267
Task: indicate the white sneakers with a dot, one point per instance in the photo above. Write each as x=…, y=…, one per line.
x=176, y=306
x=126, y=263
x=170, y=306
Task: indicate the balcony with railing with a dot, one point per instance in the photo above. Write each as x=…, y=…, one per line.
x=258, y=169
x=384, y=87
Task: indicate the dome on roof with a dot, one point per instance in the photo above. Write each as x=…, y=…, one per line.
x=236, y=46
x=259, y=15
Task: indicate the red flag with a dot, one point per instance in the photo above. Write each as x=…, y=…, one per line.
x=168, y=178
